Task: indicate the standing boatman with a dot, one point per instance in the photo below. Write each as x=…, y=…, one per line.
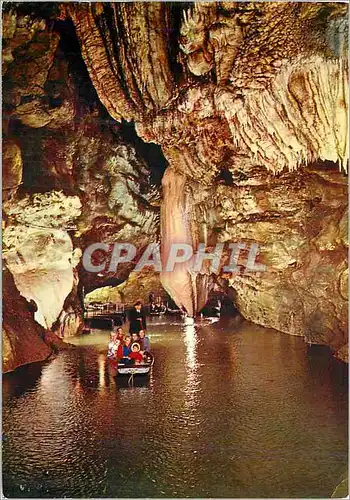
x=137, y=318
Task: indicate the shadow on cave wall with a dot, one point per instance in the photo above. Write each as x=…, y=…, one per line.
x=36, y=177
x=219, y=304
x=151, y=153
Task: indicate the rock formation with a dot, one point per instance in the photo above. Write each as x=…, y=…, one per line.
x=248, y=102
x=137, y=287
x=261, y=88
x=70, y=178
x=23, y=339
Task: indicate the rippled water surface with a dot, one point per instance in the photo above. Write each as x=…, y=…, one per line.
x=230, y=410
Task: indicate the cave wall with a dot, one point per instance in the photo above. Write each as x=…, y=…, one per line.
x=257, y=92
x=70, y=176
x=23, y=339
x=137, y=287
x=304, y=288
x=39, y=251
x=248, y=102
x=299, y=221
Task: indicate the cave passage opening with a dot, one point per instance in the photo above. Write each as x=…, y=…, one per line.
x=151, y=153
x=219, y=304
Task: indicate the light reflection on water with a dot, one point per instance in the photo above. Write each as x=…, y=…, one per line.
x=230, y=410
x=191, y=339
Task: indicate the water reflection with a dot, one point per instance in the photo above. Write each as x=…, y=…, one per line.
x=12, y=383
x=191, y=340
x=230, y=410
x=102, y=370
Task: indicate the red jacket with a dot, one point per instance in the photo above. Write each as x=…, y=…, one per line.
x=120, y=351
x=137, y=356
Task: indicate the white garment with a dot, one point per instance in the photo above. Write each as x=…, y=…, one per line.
x=113, y=348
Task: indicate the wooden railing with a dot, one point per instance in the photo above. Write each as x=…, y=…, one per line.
x=104, y=310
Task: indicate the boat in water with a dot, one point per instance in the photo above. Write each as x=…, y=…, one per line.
x=136, y=369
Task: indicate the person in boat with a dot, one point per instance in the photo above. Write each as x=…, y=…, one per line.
x=135, y=337
x=136, y=354
x=86, y=330
x=120, y=334
x=137, y=318
x=144, y=342
x=141, y=338
x=157, y=305
x=127, y=346
x=113, y=347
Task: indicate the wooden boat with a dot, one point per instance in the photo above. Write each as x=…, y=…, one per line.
x=141, y=369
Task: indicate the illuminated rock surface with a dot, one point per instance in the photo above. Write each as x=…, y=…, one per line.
x=248, y=102
x=22, y=337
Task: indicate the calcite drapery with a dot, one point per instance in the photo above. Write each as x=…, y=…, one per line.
x=272, y=91
x=39, y=252
x=128, y=41
x=283, y=95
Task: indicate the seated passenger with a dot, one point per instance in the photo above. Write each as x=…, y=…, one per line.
x=140, y=341
x=120, y=334
x=113, y=347
x=135, y=353
x=127, y=346
x=144, y=342
x=135, y=337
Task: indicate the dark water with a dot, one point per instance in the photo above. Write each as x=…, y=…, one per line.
x=231, y=410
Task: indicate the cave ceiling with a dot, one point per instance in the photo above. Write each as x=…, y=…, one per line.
x=261, y=83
